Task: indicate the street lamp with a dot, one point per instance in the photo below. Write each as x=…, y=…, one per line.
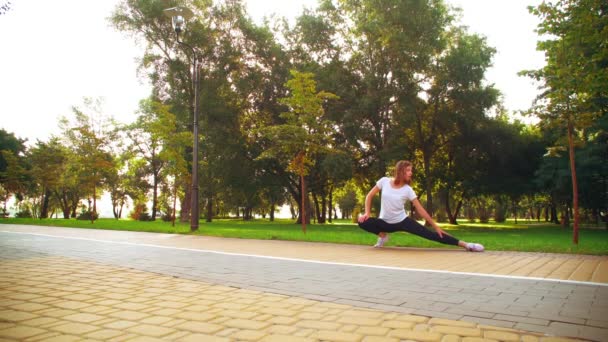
x=179, y=16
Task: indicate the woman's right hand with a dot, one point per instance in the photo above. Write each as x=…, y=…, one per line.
x=363, y=218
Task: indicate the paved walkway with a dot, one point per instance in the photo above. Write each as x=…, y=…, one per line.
x=586, y=268
x=60, y=283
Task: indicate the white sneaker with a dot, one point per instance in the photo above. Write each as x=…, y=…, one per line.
x=475, y=247
x=381, y=241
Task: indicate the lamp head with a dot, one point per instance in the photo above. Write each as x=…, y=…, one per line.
x=179, y=16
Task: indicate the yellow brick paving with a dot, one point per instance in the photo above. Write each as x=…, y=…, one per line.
x=64, y=299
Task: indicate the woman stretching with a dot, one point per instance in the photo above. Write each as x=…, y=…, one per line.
x=392, y=212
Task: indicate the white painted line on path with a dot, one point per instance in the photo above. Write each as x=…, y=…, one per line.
x=574, y=282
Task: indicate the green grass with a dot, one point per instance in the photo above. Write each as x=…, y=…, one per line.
x=524, y=236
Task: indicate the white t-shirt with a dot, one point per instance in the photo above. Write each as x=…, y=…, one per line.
x=392, y=201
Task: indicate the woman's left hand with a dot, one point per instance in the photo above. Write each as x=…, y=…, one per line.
x=440, y=232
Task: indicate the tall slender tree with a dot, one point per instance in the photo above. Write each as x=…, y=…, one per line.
x=90, y=136
x=575, y=76
x=305, y=132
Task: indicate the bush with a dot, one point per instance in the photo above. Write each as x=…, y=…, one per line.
x=140, y=213
x=88, y=216
x=25, y=213
x=167, y=217
x=145, y=217
x=484, y=216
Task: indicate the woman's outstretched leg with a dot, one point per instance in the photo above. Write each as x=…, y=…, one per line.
x=412, y=226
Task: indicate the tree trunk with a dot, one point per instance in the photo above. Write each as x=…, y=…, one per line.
x=315, y=200
x=272, y=206
x=292, y=211
x=154, y=197
x=565, y=218
x=574, y=181
x=331, y=204
x=554, y=218
x=44, y=210
x=452, y=217
x=209, y=208
x=94, y=203
x=323, y=209
x=73, y=209
x=303, y=205
x=186, y=204
x=174, y=204
x=428, y=184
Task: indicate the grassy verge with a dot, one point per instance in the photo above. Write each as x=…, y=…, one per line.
x=524, y=236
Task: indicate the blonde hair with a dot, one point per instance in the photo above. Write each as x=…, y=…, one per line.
x=399, y=171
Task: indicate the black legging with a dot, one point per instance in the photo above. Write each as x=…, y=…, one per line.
x=376, y=226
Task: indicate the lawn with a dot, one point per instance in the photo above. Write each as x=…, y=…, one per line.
x=523, y=236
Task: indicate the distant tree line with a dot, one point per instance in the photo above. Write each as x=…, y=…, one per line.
x=317, y=110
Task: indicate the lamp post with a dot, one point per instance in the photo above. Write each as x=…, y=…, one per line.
x=179, y=16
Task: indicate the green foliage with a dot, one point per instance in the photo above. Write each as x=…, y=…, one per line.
x=408, y=84
x=90, y=136
x=13, y=145
x=15, y=178
x=25, y=213
x=140, y=213
x=575, y=76
x=87, y=215
x=305, y=132
x=347, y=203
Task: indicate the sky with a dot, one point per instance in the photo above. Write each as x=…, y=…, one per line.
x=55, y=53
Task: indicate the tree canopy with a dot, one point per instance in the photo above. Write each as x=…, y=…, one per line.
x=311, y=113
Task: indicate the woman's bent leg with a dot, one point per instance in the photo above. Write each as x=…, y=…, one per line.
x=372, y=225
x=412, y=226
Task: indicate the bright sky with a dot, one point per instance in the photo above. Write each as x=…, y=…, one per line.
x=54, y=53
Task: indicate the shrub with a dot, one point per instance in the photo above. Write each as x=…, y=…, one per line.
x=484, y=215
x=88, y=216
x=167, y=217
x=140, y=213
x=25, y=213
x=145, y=217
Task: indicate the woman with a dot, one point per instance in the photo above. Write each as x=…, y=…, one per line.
x=393, y=217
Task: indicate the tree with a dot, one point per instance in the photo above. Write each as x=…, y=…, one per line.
x=9, y=142
x=90, y=137
x=5, y=6
x=153, y=132
x=390, y=44
x=15, y=178
x=334, y=169
x=304, y=133
x=117, y=186
x=454, y=101
x=48, y=164
x=346, y=197
x=575, y=76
